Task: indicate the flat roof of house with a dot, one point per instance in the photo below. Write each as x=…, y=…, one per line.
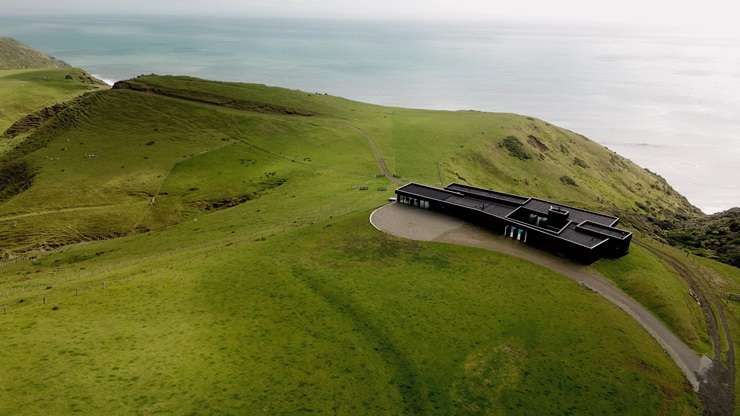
x=438, y=194
x=488, y=194
x=610, y=231
x=535, y=204
x=576, y=214
x=583, y=227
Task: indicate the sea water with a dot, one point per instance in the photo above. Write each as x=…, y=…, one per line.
x=668, y=99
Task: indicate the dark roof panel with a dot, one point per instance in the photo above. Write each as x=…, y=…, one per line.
x=427, y=191
x=576, y=214
x=539, y=205
x=610, y=231
x=487, y=194
x=590, y=241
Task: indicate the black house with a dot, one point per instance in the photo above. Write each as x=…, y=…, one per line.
x=576, y=233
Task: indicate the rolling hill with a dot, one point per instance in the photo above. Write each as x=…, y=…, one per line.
x=130, y=160
x=246, y=254
x=182, y=246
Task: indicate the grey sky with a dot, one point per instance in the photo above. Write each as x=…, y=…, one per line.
x=704, y=12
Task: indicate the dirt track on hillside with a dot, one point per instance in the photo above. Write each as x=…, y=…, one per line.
x=378, y=155
x=717, y=389
x=418, y=224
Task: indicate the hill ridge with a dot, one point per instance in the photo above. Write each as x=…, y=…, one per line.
x=213, y=99
x=538, y=156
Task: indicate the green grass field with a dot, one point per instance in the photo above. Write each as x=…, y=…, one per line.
x=332, y=316
x=660, y=289
x=657, y=285
x=246, y=279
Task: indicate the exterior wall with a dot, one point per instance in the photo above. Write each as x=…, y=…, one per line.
x=415, y=201
x=617, y=248
x=562, y=247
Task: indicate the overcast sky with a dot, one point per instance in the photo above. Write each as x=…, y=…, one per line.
x=706, y=12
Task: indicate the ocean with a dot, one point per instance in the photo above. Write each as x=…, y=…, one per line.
x=668, y=99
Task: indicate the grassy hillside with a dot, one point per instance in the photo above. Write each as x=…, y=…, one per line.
x=726, y=282
x=661, y=290
x=15, y=55
x=331, y=317
x=116, y=151
x=504, y=151
x=246, y=278
x=721, y=283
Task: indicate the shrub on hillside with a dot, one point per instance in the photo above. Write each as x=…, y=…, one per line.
x=580, y=162
x=716, y=236
x=567, y=180
x=515, y=148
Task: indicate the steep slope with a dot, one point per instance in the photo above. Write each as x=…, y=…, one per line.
x=15, y=55
x=504, y=151
x=247, y=279
x=529, y=156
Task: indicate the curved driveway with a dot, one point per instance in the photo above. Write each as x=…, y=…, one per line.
x=417, y=224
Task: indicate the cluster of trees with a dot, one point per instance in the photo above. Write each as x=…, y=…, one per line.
x=716, y=236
